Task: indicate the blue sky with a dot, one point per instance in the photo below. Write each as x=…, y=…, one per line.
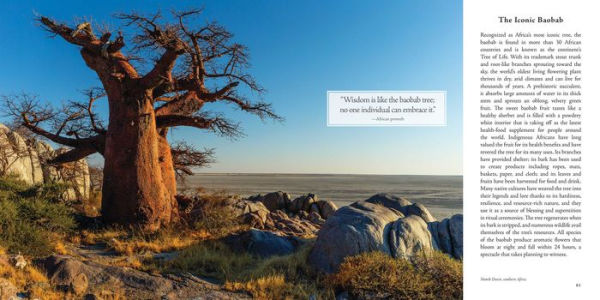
x=299, y=50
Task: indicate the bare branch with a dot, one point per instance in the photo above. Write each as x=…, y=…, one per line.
x=186, y=157
x=262, y=109
x=216, y=124
x=27, y=111
x=72, y=155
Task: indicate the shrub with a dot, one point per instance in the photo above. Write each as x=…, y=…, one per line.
x=445, y=272
x=211, y=212
x=30, y=217
x=377, y=275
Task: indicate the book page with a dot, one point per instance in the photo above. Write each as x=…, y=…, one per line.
x=529, y=183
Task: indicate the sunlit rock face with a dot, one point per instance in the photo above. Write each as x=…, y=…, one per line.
x=26, y=160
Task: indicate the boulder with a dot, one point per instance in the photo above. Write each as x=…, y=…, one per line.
x=351, y=230
x=254, y=220
x=75, y=174
x=433, y=229
x=444, y=238
x=262, y=243
x=303, y=203
x=326, y=208
x=455, y=227
x=17, y=158
x=389, y=201
x=276, y=200
x=409, y=236
x=384, y=223
x=447, y=235
x=314, y=208
x=241, y=207
x=315, y=217
x=418, y=209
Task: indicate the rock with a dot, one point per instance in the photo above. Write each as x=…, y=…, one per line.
x=16, y=158
x=261, y=243
x=26, y=159
x=282, y=224
x=326, y=208
x=418, y=209
x=66, y=273
x=315, y=217
x=384, y=223
x=389, y=201
x=444, y=240
x=8, y=291
x=280, y=219
x=19, y=262
x=302, y=215
x=242, y=207
x=79, y=284
x=303, y=203
x=276, y=200
x=314, y=208
x=75, y=174
x=403, y=205
x=433, y=229
x=455, y=226
x=447, y=235
x=64, y=270
x=351, y=230
x=409, y=236
x=254, y=220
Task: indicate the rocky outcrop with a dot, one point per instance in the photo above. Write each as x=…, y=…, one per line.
x=308, y=203
x=84, y=277
x=26, y=159
x=276, y=212
x=17, y=158
x=273, y=201
x=384, y=223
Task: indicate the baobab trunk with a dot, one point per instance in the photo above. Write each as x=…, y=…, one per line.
x=134, y=189
x=165, y=159
x=139, y=172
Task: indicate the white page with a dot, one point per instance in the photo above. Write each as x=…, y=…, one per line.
x=571, y=277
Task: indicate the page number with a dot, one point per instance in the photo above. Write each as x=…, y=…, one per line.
x=578, y=285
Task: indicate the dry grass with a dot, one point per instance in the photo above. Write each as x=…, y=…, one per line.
x=128, y=261
x=91, y=206
x=29, y=280
x=130, y=242
x=278, y=277
x=268, y=287
x=60, y=248
x=377, y=275
x=206, y=216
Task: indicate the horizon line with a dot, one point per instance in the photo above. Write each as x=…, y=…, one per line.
x=289, y=173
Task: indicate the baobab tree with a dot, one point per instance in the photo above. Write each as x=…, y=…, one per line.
x=188, y=67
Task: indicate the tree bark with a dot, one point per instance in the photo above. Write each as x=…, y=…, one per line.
x=168, y=172
x=134, y=189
